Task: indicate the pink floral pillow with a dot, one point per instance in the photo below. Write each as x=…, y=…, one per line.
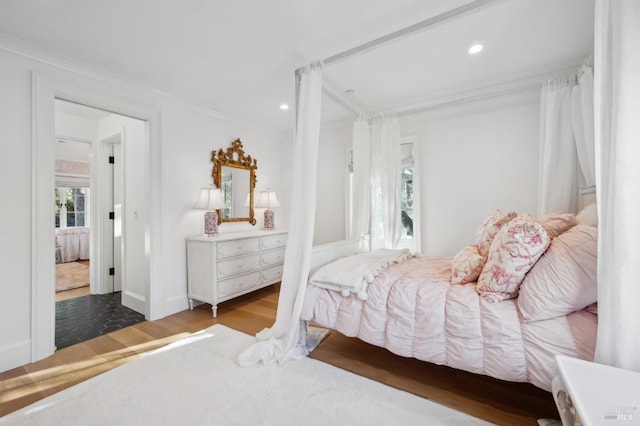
x=490, y=228
x=514, y=250
x=467, y=265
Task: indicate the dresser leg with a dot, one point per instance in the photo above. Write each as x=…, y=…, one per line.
x=191, y=304
x=214, y=308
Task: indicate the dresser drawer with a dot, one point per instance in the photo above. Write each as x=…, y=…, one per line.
x=274, y=257
x=229, y=265
x=238, y=284
x=274, y=241
x=238, y=265
x=272, y=274
x=238, y=247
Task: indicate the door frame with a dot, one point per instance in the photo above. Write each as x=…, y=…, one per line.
x=104, y=96
x=104, y=179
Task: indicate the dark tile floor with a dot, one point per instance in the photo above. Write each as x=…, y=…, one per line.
x=86, y=317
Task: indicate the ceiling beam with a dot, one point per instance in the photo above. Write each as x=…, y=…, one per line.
x=420, y=26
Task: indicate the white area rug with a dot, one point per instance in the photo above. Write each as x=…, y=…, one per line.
x=196, y=381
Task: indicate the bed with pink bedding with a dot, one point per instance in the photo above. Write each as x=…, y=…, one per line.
x=413, y=310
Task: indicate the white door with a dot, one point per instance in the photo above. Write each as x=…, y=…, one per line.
x=111, y=216
x=122, y=239
x=117, y=219
x=107, y=220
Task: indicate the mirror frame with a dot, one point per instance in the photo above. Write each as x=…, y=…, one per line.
x=235, y=157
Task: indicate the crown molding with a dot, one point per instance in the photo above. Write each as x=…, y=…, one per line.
x=522, y=85
x=149, y=94
x=506, y=85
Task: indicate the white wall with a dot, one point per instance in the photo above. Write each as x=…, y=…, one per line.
x=330, y=223
x=474, y=159
x=15, y=234
x=331, y=185
x=187, y=138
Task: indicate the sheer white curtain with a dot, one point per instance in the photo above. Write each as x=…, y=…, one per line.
x=557, y=183
x=583, y=126
x=361, y=184
x=280, y=342
x=385, y=180
x=617, y=118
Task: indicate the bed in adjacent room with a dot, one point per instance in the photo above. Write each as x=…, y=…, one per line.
x=503, y=306
x=72, y=244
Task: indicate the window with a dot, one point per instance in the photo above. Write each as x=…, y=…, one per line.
x=408, y=205
x=71, y=207
x=408, y=195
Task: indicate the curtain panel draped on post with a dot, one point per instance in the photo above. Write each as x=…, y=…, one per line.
x=280, y=342
x=361, y=183
x=385, y=176
x=557, y=185
x=376, y=181
x=617, y=139
x=566, y=141
x=583, y=125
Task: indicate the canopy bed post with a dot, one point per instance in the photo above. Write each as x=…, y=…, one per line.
x=280, y=342
x=617, y=104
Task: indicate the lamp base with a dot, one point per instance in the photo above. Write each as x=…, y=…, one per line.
x=269, y=221
x=211, y=223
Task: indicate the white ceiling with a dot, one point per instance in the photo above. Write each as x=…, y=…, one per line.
x=238, y=57
x=72, y=108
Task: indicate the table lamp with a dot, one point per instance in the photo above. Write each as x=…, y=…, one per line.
x=267, y=200
x=210, y=200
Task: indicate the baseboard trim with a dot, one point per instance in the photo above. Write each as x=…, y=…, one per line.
x=15, y=354
x=134, y=301
x=175, y=305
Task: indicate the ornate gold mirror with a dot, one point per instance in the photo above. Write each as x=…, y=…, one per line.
x=235, y=174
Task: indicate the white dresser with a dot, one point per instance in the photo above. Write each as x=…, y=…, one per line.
x=229, y=265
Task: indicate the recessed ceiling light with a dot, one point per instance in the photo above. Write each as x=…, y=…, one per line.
x=476, y=48
x=284, y=107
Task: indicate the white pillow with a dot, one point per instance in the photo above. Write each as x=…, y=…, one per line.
x=588, y=215
x=564, y=278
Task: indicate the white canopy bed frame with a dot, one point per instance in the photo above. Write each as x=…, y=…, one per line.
x=280, y=342
x=619, y=200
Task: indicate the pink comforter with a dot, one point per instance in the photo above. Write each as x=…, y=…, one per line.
x=413, y=311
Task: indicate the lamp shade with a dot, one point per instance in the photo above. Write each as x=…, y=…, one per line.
x=210, y=199
x=267, y=200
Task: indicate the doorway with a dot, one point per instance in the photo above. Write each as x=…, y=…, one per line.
x=90, y=204
x=145, y=266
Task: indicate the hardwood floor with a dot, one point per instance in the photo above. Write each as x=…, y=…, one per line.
x=492, y=400
x=73, y=293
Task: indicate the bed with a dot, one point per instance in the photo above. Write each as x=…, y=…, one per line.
x=72, y=244
x=412, y=308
